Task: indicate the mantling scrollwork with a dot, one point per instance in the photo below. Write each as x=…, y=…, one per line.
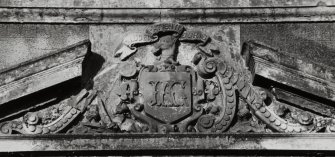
x=211, y=94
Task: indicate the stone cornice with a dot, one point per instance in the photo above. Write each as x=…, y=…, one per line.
x=170, y=142
x=154, y=15
x=53, y=68
x=162, y=3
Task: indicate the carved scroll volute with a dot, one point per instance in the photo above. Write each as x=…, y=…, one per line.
x=51, y=121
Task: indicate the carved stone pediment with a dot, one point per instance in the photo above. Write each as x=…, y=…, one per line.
x=156, y=87
x=42, y=72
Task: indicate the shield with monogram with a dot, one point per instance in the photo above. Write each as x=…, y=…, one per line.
x=167, y=95
x=171, y=79
x=164, y=95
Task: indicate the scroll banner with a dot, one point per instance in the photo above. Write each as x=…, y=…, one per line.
x=201, y=39
x=128, y=45
x=154, y=30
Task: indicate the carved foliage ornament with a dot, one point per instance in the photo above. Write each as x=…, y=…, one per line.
x=211, y=94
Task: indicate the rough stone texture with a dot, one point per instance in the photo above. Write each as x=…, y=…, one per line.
x=295, y=79
x=302, y=102
x=160, y=3
x=292, y=70
x=106, y=38
x=180, y=15
x=43, y=72
x=105, y=24
x=170, y=142
x=84, y=3
x=311, y=41
x=23, y=42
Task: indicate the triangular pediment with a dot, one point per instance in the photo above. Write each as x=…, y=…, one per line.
x=152, y=86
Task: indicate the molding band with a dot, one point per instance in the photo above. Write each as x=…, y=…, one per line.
x=114, y=142
x=179, y=15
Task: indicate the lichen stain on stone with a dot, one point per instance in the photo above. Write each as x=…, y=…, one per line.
x=273, y=74
x=308, y=68
x=179, y=3
x=191, y=3
x=231, y=35
x=304, y=84
x=84, y=2
x=9, y=94
x=106, y=44
x=244, y=143
x=220, y=3
x=280, y=3
x=186, y=53
x=144, y=55
x=316, y=70
x=150, y=142
x=329, y=75
x=315, y=86
x=218, y=38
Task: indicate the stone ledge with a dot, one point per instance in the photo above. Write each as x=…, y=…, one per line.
x=154, y=15
x=42, y=72
x=101, y=142
x=161, y=3
x=294, y=71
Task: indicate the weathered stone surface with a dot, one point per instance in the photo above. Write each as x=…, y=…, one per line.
x=154, y=15
x=84, y=3
x=159, y=3
x=106, y=38
x=42, y=72
x=120, y=97
x=171, y=142
x=306, y=103
x=290, y=70
x=169, y=78
x=23, y=42
x=307, y=41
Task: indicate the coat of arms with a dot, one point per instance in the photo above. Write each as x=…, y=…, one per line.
x=167, y=96
x=149, y=89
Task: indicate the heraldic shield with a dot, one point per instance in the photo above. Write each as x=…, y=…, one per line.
x=167, y=78
x=167, y=95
